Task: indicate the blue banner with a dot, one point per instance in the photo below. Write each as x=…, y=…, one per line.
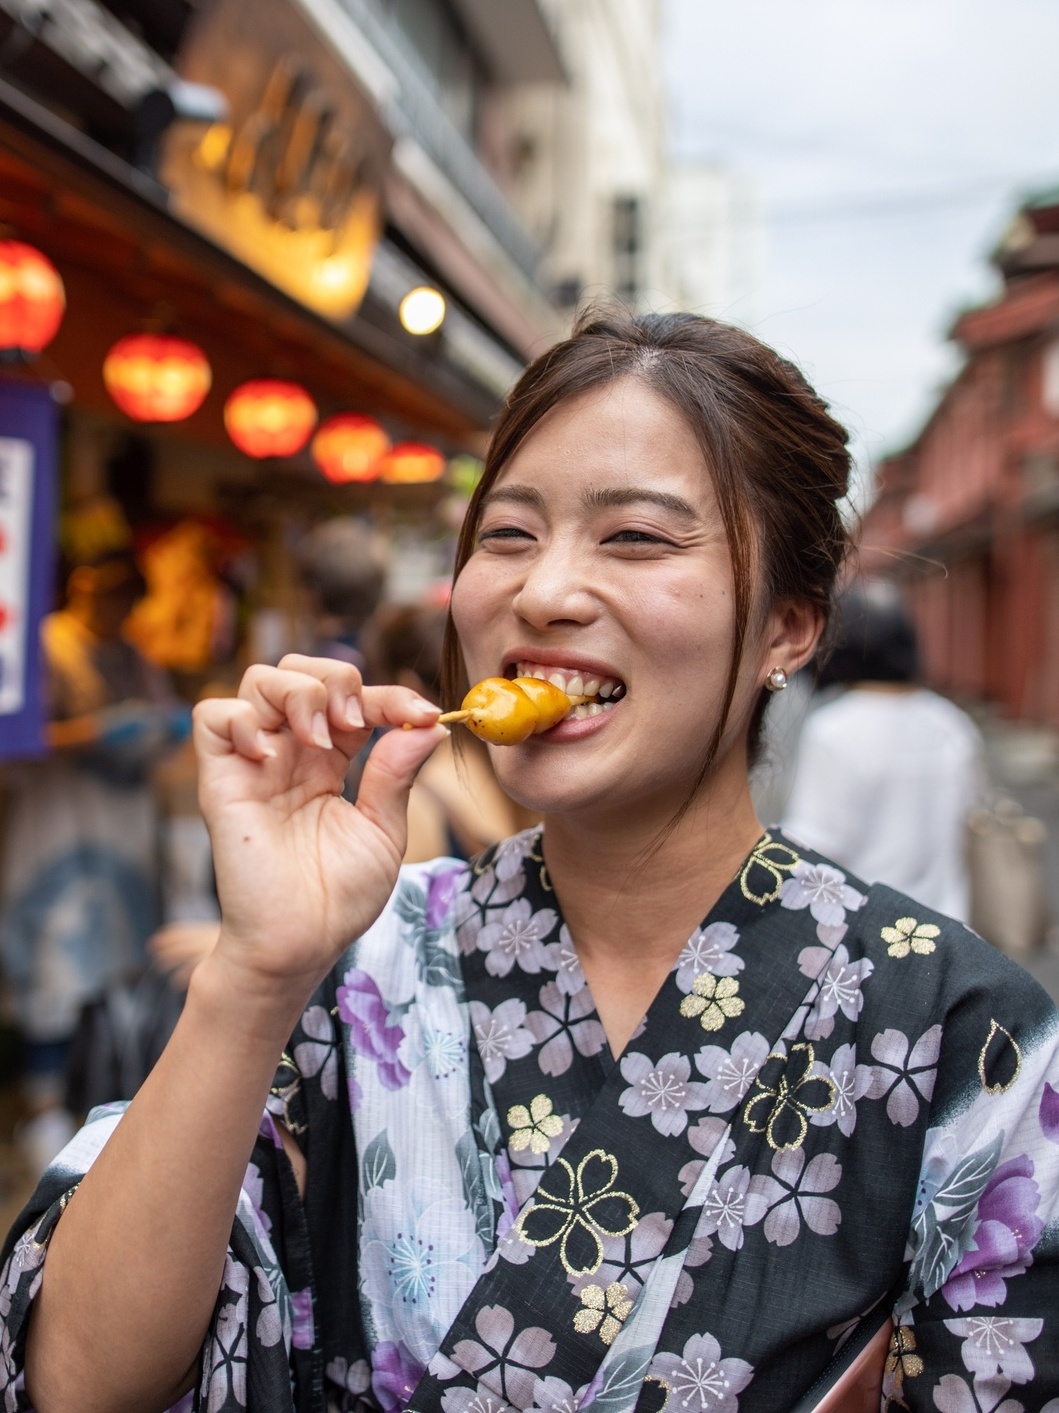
x=28, y=448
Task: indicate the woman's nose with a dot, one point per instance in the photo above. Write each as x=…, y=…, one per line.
x=555, y=590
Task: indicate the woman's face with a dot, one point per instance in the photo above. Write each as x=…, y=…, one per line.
x=602, y=562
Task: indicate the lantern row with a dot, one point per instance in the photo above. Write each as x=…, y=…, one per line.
x=160, y=378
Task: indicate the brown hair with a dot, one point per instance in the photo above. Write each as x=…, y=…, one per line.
x=779, y=460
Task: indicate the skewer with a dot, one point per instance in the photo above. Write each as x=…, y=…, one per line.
x=451, y=718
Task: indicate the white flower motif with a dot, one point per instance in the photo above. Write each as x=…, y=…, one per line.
x=725, y=1209
x=700, y=1381
x=500, y=1035
x=839, y=983
x=994, y=1344
x=850, y=1085
x=318, y=1053
x=707, y=949
x=731, y=1072
x=443, y=1051
x=570, y=979
x=823, y=890
x=905, y=1079
x=665, y=1091
x=793, y=1193
x=516, y=938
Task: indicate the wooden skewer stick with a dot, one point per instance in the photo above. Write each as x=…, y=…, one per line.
x=448, y=718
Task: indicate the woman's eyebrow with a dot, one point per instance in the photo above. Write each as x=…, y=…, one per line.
x=605, y=497
x=515, y=495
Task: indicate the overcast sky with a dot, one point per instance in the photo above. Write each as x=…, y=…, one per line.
x=887, y=143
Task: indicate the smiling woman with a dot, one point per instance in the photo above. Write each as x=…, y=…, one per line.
x=641, y=1109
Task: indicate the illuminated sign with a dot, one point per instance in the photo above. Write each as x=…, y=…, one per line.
x=291, y=184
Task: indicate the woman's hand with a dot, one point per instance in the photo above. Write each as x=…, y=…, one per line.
x=300, y=871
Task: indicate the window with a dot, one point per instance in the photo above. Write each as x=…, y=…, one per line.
x=627, y=247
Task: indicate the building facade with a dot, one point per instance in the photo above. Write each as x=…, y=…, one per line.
x=968, y=516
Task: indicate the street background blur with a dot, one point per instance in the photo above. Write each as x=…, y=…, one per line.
x=267, y=272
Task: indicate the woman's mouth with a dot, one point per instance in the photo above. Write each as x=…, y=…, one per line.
x=575, y=682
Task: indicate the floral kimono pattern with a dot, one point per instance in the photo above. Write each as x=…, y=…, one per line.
x=839, y=1104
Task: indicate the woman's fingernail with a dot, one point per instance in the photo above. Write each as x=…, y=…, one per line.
x=424, y=707
x=354, y=715
x=265, y=746
x=320, y=733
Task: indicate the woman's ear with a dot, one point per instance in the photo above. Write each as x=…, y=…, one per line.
x=794, y=630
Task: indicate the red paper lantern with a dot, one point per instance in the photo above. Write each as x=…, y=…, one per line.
x=349, y=447
x=411, y=462
x=268, y=417
x=157, y=378
x=32, y=298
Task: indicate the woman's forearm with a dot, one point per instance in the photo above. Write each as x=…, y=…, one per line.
x=134, y=1265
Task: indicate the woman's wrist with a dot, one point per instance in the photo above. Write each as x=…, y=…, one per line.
x=260, y=1009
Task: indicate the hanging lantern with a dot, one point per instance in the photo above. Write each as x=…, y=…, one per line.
x=32, y=298
x=157, y=378
x=268, y=417
x=410, y=462
x=349, y=447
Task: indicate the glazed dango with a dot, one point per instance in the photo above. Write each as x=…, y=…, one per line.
x=505, y=712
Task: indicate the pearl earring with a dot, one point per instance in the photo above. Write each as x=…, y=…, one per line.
x=776, y=679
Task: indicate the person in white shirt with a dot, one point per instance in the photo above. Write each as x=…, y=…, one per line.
x=887, y=771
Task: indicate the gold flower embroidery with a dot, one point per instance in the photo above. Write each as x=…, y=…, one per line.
x=590, y=1207
x=901, y=1362
x=714, y=999
x=999, y=1060
x=788, y=1103
x=605, y=1310
x=775, y=859
x=908, y=935
x=535, y=1127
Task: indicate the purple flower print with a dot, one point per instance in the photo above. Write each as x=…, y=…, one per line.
x=823, y=890
x=902, y=1078
x=629, y=1259
x=563, y=1023
x=254, y=1187
x=500, y=1035
x=394, y=1375
x=474, y=1400
x=707, y=949
x=838, y=987
x=317, y=1055
x=725, y=1209
x=704, y=1138
x=351, y=1378
x=1007, y=1230
x=373, y=1034
x=793, y=1194
x=302, y=1305
x=952, y=1395
x=665, y=1091
x=516, y=938
x=552, y=1395
x=699, y=1380
x=850, y=1085
x=506, y=1355
x=441, y=893
x=731, y=1072
x=993, y=1345
x=570, y=979
x=1049, y=1112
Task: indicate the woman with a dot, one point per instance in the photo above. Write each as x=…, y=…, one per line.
x=519, y=1189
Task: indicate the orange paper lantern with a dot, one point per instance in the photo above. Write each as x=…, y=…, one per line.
x=411, y=462
x=32, y=298
x=157, y=378
x=349, y=447
x=268, y=417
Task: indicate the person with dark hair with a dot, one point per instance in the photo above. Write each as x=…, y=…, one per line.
x=343, y=565
x=887, y=772
x=79, y=878
x=648, y=1108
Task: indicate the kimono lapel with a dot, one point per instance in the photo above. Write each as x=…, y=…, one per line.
x=542, y=1311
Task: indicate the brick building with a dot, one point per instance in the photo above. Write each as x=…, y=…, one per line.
x=968, y=516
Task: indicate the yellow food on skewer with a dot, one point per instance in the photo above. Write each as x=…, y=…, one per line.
x=505, y=712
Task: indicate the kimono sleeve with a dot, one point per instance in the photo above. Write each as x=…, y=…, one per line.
x=247, y=1355
x=978, y=1329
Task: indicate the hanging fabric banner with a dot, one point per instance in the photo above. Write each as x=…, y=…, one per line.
x=28, y=439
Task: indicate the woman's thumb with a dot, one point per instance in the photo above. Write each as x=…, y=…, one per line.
x=388, y=775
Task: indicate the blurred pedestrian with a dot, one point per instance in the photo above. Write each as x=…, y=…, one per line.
x=456, y=807
x=79, y=873
x=344, y=565
x=887, y=771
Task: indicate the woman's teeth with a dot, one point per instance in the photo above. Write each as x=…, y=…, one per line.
x=608, y=690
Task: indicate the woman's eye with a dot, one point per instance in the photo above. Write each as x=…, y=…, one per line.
x=503, y=532
x=636, y=537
